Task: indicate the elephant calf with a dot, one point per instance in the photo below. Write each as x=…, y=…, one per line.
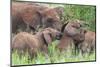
x=88, y=45
x=72, y=35
x=24, y=41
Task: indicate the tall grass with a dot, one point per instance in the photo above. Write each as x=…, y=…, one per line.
x=54, y=56
x=84, y=13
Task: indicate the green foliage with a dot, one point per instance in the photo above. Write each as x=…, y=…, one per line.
x=85, y=13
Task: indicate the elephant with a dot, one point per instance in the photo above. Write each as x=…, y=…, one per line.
x=30, y=16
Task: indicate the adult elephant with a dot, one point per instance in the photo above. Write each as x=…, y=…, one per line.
x=27, y=15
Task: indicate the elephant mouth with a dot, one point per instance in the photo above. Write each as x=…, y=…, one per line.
x=58, y=36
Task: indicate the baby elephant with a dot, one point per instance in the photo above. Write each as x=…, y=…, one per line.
x=72, y=35
x=25, y=42
x=88, y=45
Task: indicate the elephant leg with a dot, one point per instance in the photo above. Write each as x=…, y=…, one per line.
x=76, y=49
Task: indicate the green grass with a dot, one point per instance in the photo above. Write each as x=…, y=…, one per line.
x=54, y=56
x=85, y=13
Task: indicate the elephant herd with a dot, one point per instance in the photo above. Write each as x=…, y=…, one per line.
x=46, y=25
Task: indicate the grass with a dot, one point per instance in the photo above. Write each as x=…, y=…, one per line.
x=54, y=56
x=85, y=13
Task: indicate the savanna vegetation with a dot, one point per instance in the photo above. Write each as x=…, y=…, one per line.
x=85, y=13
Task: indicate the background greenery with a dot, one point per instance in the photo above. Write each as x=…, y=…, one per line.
x=84, y=13
x=80, y=12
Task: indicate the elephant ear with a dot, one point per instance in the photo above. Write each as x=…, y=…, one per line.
x=63, y=27
x=47, y=38
x=31, y=16
x=59, y=10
